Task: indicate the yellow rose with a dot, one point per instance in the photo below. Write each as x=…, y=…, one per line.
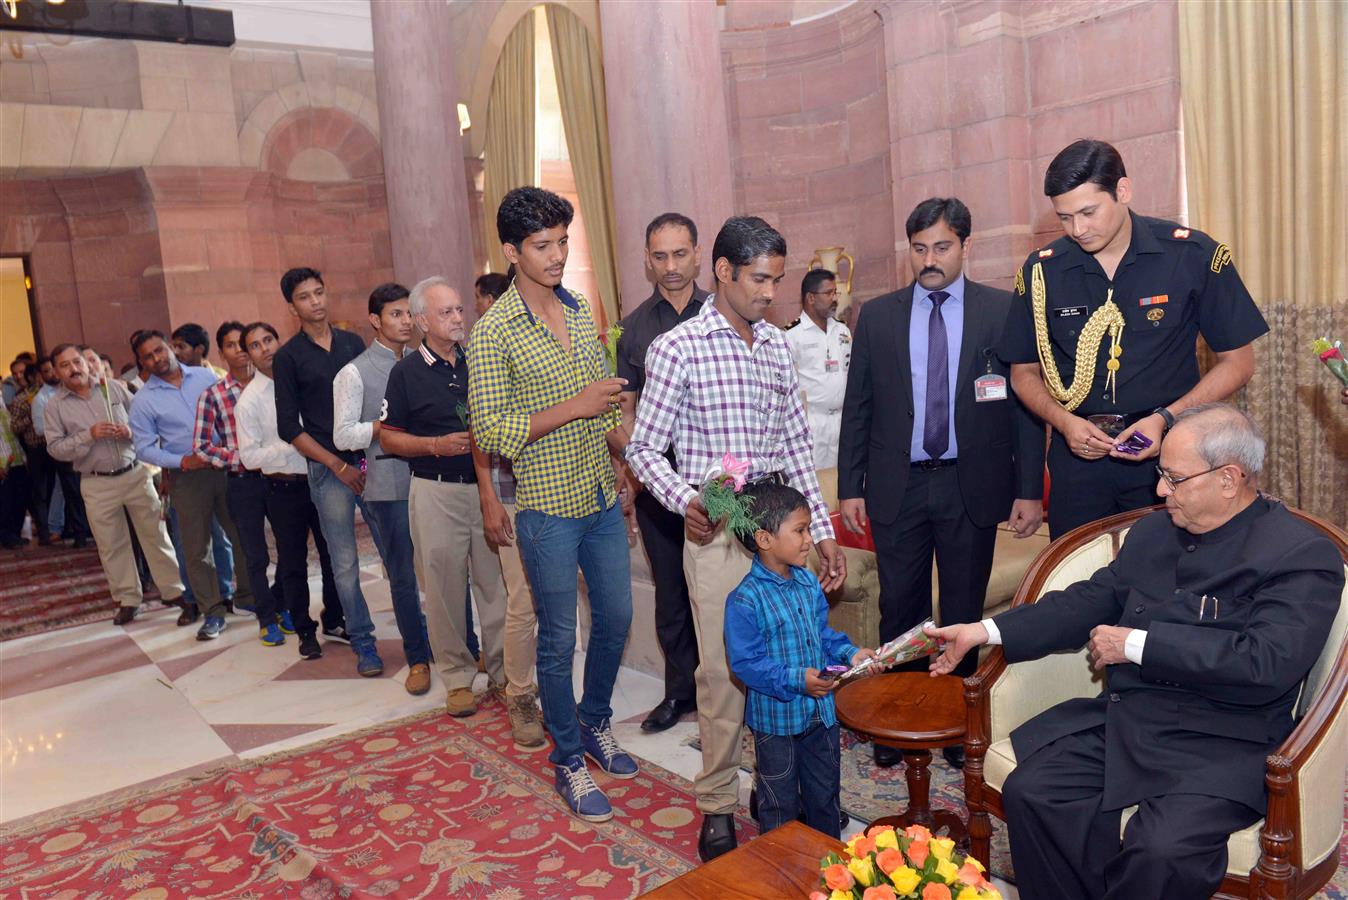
x=991, y=894
x=975, y=863
x=840, y=895
x=941, y=848
x=905, y=879
x=862, y=870
x=969, y=893
x=887, y=840
x=947, y=871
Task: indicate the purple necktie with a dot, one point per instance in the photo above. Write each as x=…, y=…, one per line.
x=936, y=426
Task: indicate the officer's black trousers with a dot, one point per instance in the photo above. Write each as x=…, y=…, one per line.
x=1083, y=490
x=662, y=536
x=1064, y=845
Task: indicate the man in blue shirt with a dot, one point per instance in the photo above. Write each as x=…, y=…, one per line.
x=163, y=416
x=779, y=643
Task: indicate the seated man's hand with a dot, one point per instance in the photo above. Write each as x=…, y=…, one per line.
x=816, y=686
x=1106, y=645
x=958, y=640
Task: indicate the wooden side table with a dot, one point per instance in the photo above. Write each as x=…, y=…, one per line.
x=782, y=863
x=913, y=713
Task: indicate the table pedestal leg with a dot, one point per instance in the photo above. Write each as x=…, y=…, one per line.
x=917, y=772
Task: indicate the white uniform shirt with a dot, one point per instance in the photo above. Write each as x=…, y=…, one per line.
x=260, y=446
x=821, y=362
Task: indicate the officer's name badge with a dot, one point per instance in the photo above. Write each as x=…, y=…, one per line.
x=1153, y=301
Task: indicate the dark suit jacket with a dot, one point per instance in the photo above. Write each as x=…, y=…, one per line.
x=1001, y=445
x=1214, y=695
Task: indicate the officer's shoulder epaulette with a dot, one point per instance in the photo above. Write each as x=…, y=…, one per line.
x=1054, y=250
x=1172, y=231
x=792, y=324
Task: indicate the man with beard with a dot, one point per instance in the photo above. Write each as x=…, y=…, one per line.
x=672, y=257
x=723, y=382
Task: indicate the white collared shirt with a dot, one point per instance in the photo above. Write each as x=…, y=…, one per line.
x=260, y=446
x=821, y=360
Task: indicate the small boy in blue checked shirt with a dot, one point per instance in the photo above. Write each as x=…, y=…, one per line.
x=778, y=641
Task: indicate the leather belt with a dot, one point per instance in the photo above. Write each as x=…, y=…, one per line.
x=445, y=479
x=286, y=477
x=122, y=471
x=246, y=473
x=927, y=465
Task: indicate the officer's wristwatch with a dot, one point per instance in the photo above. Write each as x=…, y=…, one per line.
x=1166, y=415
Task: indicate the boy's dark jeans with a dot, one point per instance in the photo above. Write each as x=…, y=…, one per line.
x=798, y=771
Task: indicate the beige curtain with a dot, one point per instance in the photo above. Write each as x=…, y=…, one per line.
x=580, y=85
x=508, y=149
x=1265, y=94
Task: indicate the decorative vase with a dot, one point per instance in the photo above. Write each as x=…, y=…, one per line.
x=829, y=258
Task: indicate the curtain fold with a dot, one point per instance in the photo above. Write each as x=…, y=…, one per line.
x=508, y=149
x=1264, y=88
x=580, y=86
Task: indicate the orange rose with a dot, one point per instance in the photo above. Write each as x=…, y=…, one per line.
x=863, y=846
x=917, y=853
x=969, y=874
x=918, y=832
x=876, y=830
x=818, y=895
x=889, y=860
x=837, y=878
x=879, y=892
x=936, y=891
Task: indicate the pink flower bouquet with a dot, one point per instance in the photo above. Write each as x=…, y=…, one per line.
x=723, y=499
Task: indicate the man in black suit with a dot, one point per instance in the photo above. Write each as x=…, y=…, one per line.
x=934, y=446
x=1206, y=625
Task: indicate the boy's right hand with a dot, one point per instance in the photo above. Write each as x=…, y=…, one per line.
x=816, y=686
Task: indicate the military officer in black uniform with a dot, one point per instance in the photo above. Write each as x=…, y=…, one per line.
x=1206, y=626
x=1102, y=341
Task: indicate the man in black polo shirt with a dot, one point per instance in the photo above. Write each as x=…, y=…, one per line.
x=303, y=371
x=1102, y=337
x=422, y=422
x=672, y=257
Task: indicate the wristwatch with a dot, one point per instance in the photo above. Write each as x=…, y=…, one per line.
x=1166, y=415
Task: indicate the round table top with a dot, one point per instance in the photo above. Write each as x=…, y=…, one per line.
x=908, y=710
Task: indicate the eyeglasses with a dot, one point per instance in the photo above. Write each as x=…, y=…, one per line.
x=830, y=293
x=1176, y=480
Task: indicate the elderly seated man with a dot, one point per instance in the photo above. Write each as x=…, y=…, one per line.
x=1206, y=624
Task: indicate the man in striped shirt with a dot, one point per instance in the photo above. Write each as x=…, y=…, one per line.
x=723, y=382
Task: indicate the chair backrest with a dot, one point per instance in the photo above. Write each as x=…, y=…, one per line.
x=1338, y=631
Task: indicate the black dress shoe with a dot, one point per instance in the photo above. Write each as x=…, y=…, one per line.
x=188, y=616
x=309, y=647
x=667, y=715
x=885, y=757
x=717, y=837
x=954, y=756
x=125, y=614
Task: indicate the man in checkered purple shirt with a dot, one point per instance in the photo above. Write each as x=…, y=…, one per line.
x=723, y=382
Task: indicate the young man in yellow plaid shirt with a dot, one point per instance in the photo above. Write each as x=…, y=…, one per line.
x=540, y=394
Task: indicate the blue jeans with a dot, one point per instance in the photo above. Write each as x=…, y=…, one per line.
x=393, y=538
x=798, y=771
x=336, y=505
x=551, y=547
x=222, y=552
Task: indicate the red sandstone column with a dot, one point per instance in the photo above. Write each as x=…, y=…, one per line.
x=429, y=219
x=668, y=131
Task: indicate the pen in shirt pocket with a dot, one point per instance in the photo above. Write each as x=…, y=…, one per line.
x=1203, y=605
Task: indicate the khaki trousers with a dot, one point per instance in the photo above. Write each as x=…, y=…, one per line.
x=712, y=573
x=521, y=623
x=447, y=540
x=104, y=500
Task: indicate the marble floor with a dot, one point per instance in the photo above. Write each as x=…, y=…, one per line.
x=94, y=709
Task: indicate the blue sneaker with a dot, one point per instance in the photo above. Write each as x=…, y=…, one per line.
x=581, y=793
x=271, y=636
x=368, y=663
x=211, y=628
x=601, y=747
x=283, y=619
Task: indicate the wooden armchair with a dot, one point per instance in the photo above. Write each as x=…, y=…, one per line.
x=1291, y=853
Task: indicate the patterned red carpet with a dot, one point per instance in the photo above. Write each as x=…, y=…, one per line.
x=429, y=807
x=42, y=588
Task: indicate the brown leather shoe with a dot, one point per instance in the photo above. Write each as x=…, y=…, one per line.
x=125, y=615
x=419, y=679
x=461, y=702
x=189, y=614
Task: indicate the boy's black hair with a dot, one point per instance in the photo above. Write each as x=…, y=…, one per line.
x=193, y=335
x=224, y=330
x=293, y=278
x=771, y=503
x=386, y=293
x=529, y=210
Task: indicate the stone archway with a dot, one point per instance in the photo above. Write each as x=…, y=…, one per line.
x=320, y=144
x=295, y=98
